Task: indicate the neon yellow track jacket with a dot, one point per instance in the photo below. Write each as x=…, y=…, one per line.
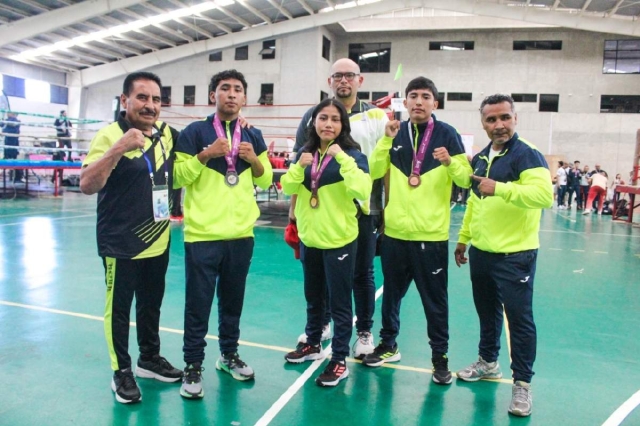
x=333, y=223
x=421, y=213
x=508, y=222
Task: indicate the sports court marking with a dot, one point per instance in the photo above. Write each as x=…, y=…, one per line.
x=623, y=411
x=39, y=212
x=590, y=233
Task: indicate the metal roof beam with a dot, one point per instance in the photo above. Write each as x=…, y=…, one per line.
x=306, y=7
x=58, y=18
x=281, y=9
x=255, y=11
x=161, y=27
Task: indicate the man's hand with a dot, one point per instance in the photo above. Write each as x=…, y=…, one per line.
x=219, y=148
x=391, y=128
x=305, y=160
x=247, y=153
x=459, y=254
x=132, y=140
x=486, y=186
x=243, y=122
x=442, y=155
x=334, y=150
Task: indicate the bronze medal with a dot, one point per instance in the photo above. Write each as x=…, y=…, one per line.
x=414, y=180
x=314, y=202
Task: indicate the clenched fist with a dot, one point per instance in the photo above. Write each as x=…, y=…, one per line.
x=219, y=148
x=132, y=140
x=306, y=159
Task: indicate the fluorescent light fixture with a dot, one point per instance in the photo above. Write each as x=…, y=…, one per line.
x=326, y=9
x=121, y=29
x=363, y=2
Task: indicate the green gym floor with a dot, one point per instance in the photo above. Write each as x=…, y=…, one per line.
x=54, y=366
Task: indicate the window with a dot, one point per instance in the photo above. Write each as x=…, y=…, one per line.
x=37, y=91
x=215, y=56
x=371, y=57
x=165, y=95
x=453, y=96
x=549, y=103
x=59, y=95
x=365, y=96
x=524, y=97
x=323, y=95
x=621, y=57
x=268, y=49
x=189, y=95
x=266, y=94
x=242, y=53
x=440, y=100
x=620, y=104
x=377, y=95
x=537, y=45
x=326, y=48
x=451, y=45
x=13, y=86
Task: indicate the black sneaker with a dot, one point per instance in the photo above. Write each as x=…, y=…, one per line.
x=441, y=373
x=381, y=354
x=158, y=368
x=125, y=387
x=304, y=352
x=192, y=381
x=333, y=374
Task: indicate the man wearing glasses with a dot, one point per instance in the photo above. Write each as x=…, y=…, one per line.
x=367, y=127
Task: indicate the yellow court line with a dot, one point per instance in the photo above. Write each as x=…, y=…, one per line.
x=212, y=337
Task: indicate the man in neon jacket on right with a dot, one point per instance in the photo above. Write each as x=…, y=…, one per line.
x=509, y=190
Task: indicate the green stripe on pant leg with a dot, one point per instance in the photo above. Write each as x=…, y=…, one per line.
x=110, y=279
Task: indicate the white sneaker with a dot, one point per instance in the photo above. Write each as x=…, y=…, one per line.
x=326, y=334
x=364, y=345
x=587, y=211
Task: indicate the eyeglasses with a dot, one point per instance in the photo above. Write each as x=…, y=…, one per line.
x=348, y=75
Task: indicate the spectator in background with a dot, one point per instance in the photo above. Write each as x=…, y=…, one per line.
x=584, y=188
x=573, y=184
x=12, y=126
x=598, y=189
x=63, y=132
x=561, y=182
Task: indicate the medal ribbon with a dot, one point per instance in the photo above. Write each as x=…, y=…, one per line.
x=418, y=158
x=232, y=155
x=316, y=171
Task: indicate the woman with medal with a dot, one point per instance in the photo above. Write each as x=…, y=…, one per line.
x=423, y=156
x=329, y=174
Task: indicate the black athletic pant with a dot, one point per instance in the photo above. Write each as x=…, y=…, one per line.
x=505, y=279
x=332, y=269
x=211, y=264
x=426, y=263
x=126, y=278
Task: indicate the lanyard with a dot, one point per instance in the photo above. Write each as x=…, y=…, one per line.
x=157, y=135
x=316, y=171
x=232, y=155
x=418, y=157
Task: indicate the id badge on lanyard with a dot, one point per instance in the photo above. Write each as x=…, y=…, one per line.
x=159, y=193
x=160, y=197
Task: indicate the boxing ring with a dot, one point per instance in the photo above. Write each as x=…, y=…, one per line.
x=56, y=166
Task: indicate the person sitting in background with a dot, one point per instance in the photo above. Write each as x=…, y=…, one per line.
x=598, y=189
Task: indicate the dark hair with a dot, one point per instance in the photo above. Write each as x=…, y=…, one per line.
x=62, y=112
x=344, y=139
x=561, y=163
x=421, y=83
x=227, y=75
x=127, y=86
x=577, y=161
x=498, y=98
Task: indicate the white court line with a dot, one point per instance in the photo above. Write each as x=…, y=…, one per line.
x=57, y=218
x=591, y=233
x=623, y=411
x=277, y=406
x=39, y=212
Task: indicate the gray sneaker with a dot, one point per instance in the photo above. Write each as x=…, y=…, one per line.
x=521, y=399
x=232, y=364
x=364, y=345
x=192, y=381
x=480, y=369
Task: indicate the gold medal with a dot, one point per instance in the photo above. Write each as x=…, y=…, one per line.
x=414, y=180
x=314, y=202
